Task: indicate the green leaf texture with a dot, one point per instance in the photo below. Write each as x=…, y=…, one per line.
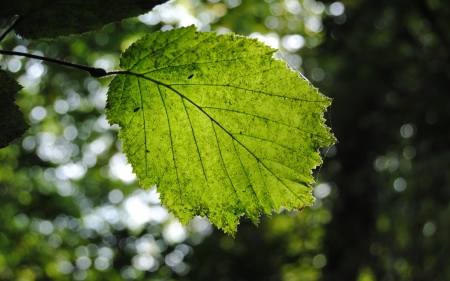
x=54, y=18
x=12, y=124
x=220, y=126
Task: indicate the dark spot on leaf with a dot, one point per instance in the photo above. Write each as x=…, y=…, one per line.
x=147, y=150
x=136, y=109
x=301, y=208
x=190, y=76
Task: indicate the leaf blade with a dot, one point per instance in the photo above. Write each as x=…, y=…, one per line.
x=12, y=123
x=69, y=17
x=235, y=140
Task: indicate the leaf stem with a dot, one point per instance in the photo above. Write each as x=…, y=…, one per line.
x=10, y=29
x=93, y=71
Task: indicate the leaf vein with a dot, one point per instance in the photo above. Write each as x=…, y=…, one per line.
x=198, y=63
x=196, y=144
x=223, y=162
x=188, y=49
x=246, y=174
x=161, y=47
x=274, y=142
x=145, y=128
x=260, y=117
x=171, y=144
x=241, y=88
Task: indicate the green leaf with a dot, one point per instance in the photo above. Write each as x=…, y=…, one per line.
x=220, y=126
x=54, y=18
x=12, y=124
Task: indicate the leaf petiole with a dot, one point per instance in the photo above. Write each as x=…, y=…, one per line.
x=93, y=71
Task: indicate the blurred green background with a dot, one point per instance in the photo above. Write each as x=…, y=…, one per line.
x=70, y=209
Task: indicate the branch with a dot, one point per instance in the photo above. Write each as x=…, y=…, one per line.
x=9, y=29
x=93, y=71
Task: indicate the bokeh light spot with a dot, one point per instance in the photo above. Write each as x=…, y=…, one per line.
x=14, y=65
x=407, y=130
x=337, y=8
x=115, y=196
x=37, y=114
x=174, y=233
x=319, y=261
x=293, y=43
x=400, y=184
x=429, y=229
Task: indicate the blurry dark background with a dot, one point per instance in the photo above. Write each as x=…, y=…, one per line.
x=71, y=210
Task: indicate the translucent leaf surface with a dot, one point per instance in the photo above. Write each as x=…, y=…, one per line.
x=12, y=124
x=53, y=18
x=219, y=125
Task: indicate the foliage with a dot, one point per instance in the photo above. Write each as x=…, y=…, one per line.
x=256, y=141
x=12, y=124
